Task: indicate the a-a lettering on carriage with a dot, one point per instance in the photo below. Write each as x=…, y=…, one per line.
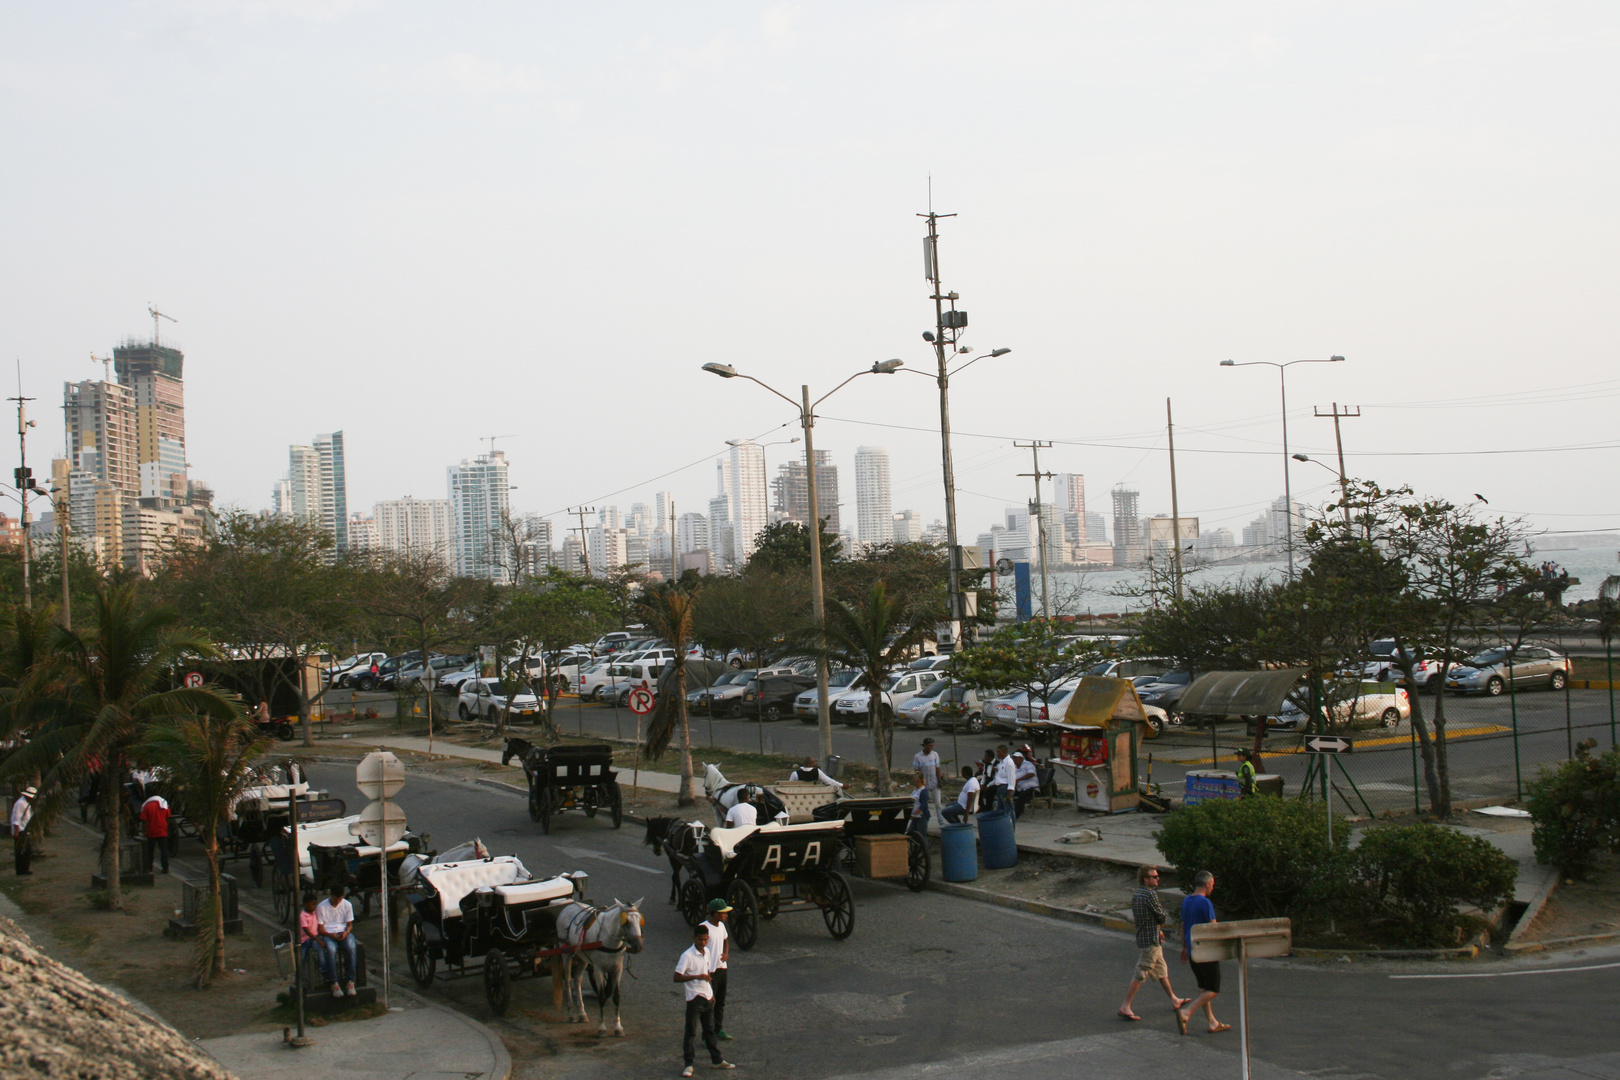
x=568, y=777
x=871, y=828
x=329, y=854
x=762, y=871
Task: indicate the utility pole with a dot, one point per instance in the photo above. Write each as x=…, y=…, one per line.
x=25, y=482
x=948, y=325
x=584, y=548
x=1175, y=507
x=1036, y=512
x=62, y=533
x=1338, y=441
x=674, y=568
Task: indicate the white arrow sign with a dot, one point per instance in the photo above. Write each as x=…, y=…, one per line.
x=379, y=775
x=381, y=824
x=1327, y=744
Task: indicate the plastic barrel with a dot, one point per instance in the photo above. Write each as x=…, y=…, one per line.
x=997, y=840
x=958, y=855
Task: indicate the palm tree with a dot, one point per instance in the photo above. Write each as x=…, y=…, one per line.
x=215, y=759
x=668, y=612
x=96, y=696
x=873, y=638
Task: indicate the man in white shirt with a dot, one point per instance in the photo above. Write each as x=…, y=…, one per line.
x=336, y=916
x=22, y=846
x=1027, y=780
x=719, y=958
x=926, y=761
x=967, y=801
x=692, y=971
x=1006, y=778
x=744, y=813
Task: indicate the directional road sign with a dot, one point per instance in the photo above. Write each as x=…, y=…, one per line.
x=379, y=775
x=640, y=701
x=1327, y=744
x=381, y=824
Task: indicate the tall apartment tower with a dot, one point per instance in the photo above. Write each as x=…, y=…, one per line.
x=691, y=534
x=419, y=525
x=478, y=507
x=874, y=516
x=153, y=376
x=748, y=510
x=317, y=487
x=1071, y=498
x=1130, y=544
x=792, y=491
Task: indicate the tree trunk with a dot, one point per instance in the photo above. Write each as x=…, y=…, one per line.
x=305, y=720
x=430, y=694
x=215, y=963
x=112, y=821
x=1441, y=803
x=882, y=739
x=687, y=796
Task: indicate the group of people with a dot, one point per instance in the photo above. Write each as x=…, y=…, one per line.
x=701, y=972
x=1150, y=917
x=1002, y=780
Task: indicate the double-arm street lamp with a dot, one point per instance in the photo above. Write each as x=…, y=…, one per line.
x=1282, y=383
x=807, y=420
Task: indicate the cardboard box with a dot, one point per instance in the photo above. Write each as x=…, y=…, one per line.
x=883, y=856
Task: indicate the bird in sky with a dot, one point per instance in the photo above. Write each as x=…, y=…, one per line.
x=1482, y=498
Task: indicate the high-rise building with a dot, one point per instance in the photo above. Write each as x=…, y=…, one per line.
x=479, y=508
x=720, y=530
x=609, y=550
x=1282, y=517
x=153, y=375
x=573, y=555
x=793, y=492
x=874, y=517
x=1130, y=545
x=1071, y=497
x=1096, y=528
x=907, y=527
x=748, y=510
x=362, y=532
x=281, y=498
x=691, y=534
x=316, y=487
x=414, y=525
x=663, y=501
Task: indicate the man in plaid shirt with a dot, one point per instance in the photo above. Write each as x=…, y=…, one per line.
x=1150, y=919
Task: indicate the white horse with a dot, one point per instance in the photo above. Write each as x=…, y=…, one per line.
x=616, y=933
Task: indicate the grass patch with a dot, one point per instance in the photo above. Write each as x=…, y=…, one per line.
x=101, y=899
x=75, y=938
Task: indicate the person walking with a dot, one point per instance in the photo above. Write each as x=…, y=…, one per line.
x=967, y=801
x=1150, y=918
x=1197, y=909
x=719, y=958
x=155, y=827
x=692, y=971
x=22, y=845
x=926, y=761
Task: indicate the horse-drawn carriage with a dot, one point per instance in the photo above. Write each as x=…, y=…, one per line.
x=762, y=871
x=329, y=854
x=494, y=909
x=874, y=818
x=568, y=777
x=262, y=813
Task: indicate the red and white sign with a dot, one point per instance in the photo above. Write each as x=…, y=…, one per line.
x=640, y=701
x=194, y=679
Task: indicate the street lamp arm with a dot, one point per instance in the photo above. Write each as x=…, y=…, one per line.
x=993, y=352
x=882, y=368
x=769, y=387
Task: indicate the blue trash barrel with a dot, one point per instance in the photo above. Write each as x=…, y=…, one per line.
x=958, y=855
x=997, y=840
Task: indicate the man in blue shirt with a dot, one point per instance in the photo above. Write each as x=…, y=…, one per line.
x=1194, y=910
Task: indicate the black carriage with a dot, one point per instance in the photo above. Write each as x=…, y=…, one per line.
x=572, y=778
x=329, y=854
x=763, y=870
x=261, y=814
x=488, y=910
x=878, y=817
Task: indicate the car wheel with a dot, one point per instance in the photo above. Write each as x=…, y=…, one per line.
x=1494, y=687
x=1156, y=724
x=975, y=724
x=461, y=711
x=736, y=663
x=1391, y=718
x=773, y=712
x=1559, y=680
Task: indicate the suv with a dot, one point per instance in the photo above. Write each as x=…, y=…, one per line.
x=1488, y=671
x=1165, y=690
x=899, y=688
x=484, y=699
x=1356, y=703
x=698, y=696
x=839, y=683
x=771, y=698
x=338, y=674
x=386, y=669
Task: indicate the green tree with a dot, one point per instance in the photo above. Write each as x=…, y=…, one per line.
x=1035, y=657
x=784, y=546
x=213, y=759
x=758, y=613
x=669, y=611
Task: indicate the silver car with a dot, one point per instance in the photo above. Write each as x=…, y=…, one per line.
x=923, y=711
x=1488, y=672
x=839, y=683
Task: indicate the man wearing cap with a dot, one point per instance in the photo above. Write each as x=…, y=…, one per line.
x=719, y=950
x=1027, y=779
x=926, y=761
x=22, y=846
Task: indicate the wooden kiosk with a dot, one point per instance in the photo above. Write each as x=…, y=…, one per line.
x=1097, y=744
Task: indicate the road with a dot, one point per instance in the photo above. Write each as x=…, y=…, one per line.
x=969, y=988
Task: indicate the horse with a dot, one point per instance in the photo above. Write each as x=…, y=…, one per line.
x=676, y=838
x=616, y=933
x=724, y=794
x=522, y=749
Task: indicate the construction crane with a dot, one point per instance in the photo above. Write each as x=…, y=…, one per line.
x=491, y=440
x=106, y=364
x=156, y=315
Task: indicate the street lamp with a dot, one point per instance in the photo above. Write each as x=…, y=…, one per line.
x=807, y=420
x=953, y=554
x=1282, y=383
x=1344, y=484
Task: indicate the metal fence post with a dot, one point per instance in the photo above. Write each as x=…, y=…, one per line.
x=1513, y=705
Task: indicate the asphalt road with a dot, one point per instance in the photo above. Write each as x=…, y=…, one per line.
x=968, y=988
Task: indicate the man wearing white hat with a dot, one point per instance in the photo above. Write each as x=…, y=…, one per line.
x=22, y=847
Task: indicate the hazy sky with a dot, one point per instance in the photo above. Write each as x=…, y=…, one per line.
x=427, y=223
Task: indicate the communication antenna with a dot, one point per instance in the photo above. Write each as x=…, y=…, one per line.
x=156, y=315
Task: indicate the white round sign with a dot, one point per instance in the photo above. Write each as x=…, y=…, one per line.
x=640, y=701
x=381, y=824
x=379, y=775
x=194, y=679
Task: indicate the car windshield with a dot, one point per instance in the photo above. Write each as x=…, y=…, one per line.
x=935, y=688
x=842, y=678
x=888, y=684
x=1175, y=678
x=955, y=694
x=1487, y=658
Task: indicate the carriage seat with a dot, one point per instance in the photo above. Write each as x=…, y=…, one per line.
x=728, y=839
x=535, y=892
x=336, y=834
x=453, y=881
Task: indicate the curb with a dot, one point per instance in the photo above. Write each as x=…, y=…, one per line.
x=1466, y=952
x=1522, y=948
x=1533, y=908
x=1034, y=907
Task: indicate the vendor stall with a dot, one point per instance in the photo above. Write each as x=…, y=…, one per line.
x=1097, y=744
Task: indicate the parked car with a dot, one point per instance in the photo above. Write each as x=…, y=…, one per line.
x=899, y=688
x=1001, y=712
x=1057, y=702
x=337, y=674
x=608, y=644
x=1488, y=671
x=590, y=681
x=923, y=710
x=484, y=699
x=418, y=677
x=641, y=674
x=697, y=698
x=721, y=700
x=928, y=663
x=450, y=682
x=1385, y=665
x=1165, y=690
x=771, y=697
x=839, y=683
x=386, y=669
x=957, y=708
x=1354, y=703
x=1134, y=668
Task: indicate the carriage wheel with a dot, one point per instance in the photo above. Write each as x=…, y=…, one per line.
x=616, y=803
x=283, y=897
x=744, y=914
x=256, y=865
x=545, y=810
x=917, y=863
x=418, y=953
x=588, y=800
x=769, y=906
x=837, y=905
x=694, y=902
x=497, y=982
x=534, y=803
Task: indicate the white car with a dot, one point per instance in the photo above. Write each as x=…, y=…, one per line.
x=451, y=681
x=899, y=688
x=920, y=711
x=839, y=683
x=589, y=682
x=338, y=673
x=484, y=699
x=1359, y=704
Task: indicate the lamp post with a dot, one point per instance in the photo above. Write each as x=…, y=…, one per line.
x=1282, y=384
x=807, y=420
x=1343, y=481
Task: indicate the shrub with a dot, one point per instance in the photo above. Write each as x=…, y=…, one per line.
x=1576, y=812
x=1418, y=874
x=1270, y=857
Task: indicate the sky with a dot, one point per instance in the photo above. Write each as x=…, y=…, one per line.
x=427, y=225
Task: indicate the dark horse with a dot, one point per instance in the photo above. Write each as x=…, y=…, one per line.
x=522, y=749
x=679, y=840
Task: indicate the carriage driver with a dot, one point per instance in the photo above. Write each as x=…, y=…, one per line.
x=810, y=773
x=746, y=811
